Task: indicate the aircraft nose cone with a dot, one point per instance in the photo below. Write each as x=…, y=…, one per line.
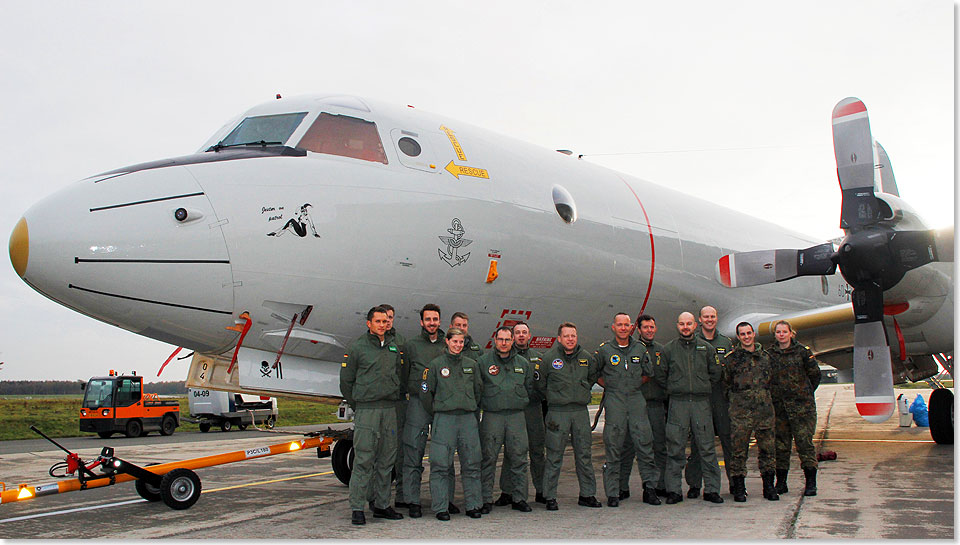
x=20, y=247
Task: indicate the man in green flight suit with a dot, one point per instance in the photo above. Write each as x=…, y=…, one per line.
x=533, y=414
x=399, y=340
x=624, y=367
x=418, y=352
x=656, y=398
x=687, y=368
x=451, y=392
x=565, y=377
x=370, y=377
x=507, y=383
x=471, y=348
x=719, y=404
x=746, y=371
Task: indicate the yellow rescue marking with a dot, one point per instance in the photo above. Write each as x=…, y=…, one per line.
x=464, y=170
x=295, y=477
x=454, y=142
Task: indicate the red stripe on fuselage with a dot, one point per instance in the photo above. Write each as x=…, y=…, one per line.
x=847, y=109
x=653, y=253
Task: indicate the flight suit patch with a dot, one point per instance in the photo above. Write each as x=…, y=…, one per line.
x=344, y=364
x=557, y=363
x=423, y=386
x=493, y=370
x=584, y=363
x=468, y=370
x=701, y=348
x=392, y=348
x=445, y=372
x=614, y=359
x=425, y=373
x=536, y=375
x=474, y=347
x=635, y=359
x=518, y=370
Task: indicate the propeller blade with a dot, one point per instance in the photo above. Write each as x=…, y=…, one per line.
x=853, y=147
x=912, y=249
x=888, y=184
x=742, y=269
x=872, y=371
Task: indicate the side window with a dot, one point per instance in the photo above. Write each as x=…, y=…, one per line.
x=345, y=136
x=414, y=150
x=128, y=392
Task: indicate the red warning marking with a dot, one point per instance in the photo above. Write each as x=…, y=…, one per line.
x=874, y=409
x=520, y=315
x=542, y=342
x=725, y=270
x=848, y=109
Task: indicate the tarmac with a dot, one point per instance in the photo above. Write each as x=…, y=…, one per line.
x=887, y=482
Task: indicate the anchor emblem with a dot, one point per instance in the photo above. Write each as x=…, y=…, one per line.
x=454, y=243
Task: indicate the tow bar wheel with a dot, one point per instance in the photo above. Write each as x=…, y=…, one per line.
x=180, y=488
x=146, y=490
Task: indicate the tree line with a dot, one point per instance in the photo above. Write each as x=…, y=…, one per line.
x=72, y=387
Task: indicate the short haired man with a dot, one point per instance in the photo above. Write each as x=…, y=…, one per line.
x=565, y=377
x=719, y=403
x=451, y=392
x=656, y=397
x=533, y=414
x=507, y=383
x=471, y=348
x=418, y=352
x=624, y=366
x=746, y=372
x=399, y=340
x=687, y=368
x=370, y=381
x=796, y=375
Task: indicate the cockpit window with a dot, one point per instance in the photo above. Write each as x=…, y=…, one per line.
x=345, y=136
x=265, y=128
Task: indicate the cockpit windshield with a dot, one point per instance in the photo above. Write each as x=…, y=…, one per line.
x=98, y=393
x=264, y=129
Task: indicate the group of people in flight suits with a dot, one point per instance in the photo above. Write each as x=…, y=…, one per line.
x=658, y=398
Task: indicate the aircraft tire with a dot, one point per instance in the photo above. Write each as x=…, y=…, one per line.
x=134, y=428
x=941, y=416
x=342, y=460
x=168, y=425
x=180, y=488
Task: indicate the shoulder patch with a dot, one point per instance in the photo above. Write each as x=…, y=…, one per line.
x=425, y=374
x=344, y=364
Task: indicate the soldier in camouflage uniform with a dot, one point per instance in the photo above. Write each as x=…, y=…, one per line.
x=370, y=377
x=796, y=375
x=451, y=393
x=746, y=372
x=507, y=383
x=565, y=377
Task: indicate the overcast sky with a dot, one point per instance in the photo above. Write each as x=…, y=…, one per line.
x=726, y=100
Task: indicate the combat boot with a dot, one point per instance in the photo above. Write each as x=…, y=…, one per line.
x=769, y=492
x=739, y=489
x=782, y=481
x=650, y=495
x=811, y=474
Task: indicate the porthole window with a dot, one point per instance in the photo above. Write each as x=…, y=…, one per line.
x=824, y=286
x=564, y=204
x=409, y=146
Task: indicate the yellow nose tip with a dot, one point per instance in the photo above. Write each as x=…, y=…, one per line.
x=20, y=247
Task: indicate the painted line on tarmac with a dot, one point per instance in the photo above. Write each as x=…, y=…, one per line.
x=138, y=500
x=75, y=510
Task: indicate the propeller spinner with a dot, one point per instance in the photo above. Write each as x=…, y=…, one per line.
x=873, y=256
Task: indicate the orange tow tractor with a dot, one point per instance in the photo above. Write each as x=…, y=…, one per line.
x=117, y=404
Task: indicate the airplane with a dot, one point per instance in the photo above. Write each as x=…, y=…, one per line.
x=264, y=249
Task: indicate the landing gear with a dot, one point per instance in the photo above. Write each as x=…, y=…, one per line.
x=342, y=460
x=940, y=412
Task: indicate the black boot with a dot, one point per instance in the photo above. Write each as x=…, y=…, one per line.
x=782, y=481
x=769, y=492
x=739, y=489
x=650, y=495
x=811, y=474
